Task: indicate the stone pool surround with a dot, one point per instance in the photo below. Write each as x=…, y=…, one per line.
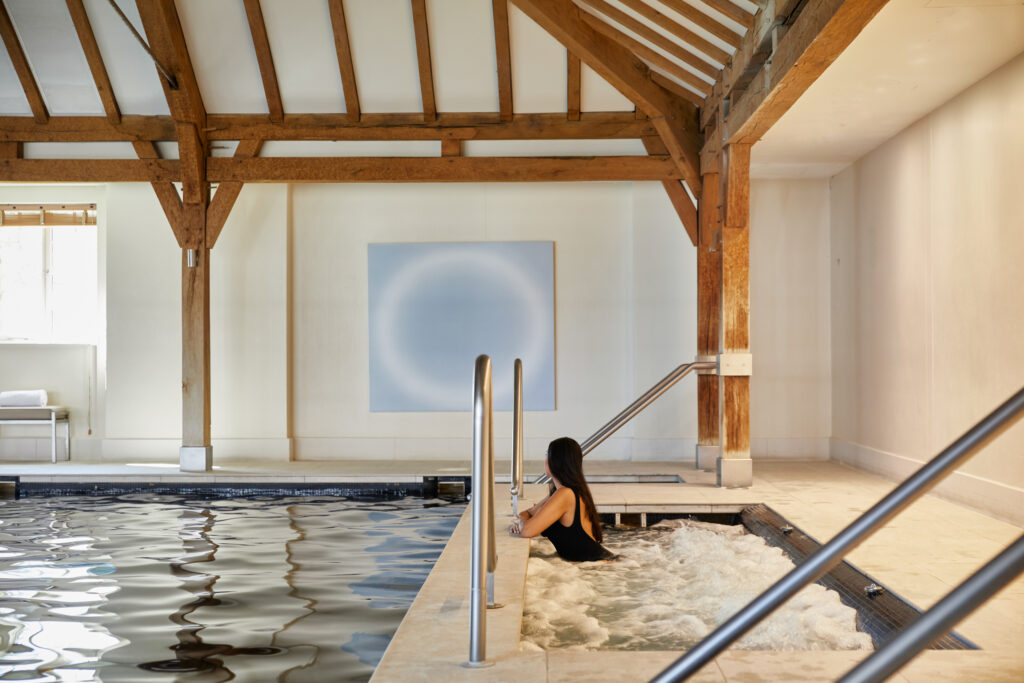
x=922, y=554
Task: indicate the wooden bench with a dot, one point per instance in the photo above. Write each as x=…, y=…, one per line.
x=50, y=415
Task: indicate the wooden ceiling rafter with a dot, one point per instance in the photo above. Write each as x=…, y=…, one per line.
x=732, y=11
x=97, y=68
x=22, y=68
x=503, y=53
x=653, y=58
x=675, y=119
x=423, y=59
x=684, y=34
x=704, y=21
x=265, y=59
x=654, y=37
x=12, y=150
x=343, y=48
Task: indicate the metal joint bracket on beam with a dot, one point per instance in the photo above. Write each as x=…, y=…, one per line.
x=735, y=364
x=706, y=359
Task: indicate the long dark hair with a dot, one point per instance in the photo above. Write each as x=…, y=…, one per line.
x=565, y=460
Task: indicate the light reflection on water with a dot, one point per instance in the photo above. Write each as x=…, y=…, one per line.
x=163, y=588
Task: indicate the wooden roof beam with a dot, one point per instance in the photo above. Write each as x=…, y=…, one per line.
x=467, y=126
x=815, y=37
x=419, y=23
x=504, y=59
x=654, y=37
x=22, y=68
x=440, y=169
x=675, y=119
x=89, y=170
x=261, y=43
x=344, y=50
x=167, y=41
x=95, y=60
x=732, y=11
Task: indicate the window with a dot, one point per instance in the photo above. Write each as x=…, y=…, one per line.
x=48, y=274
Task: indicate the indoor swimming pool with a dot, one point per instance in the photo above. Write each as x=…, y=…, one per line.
x=145, y=587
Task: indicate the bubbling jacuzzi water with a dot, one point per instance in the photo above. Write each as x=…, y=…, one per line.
x=669, y=588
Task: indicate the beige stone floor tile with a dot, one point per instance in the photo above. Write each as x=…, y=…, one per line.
x=568, y=666
x=960, y=666
x=749, y=666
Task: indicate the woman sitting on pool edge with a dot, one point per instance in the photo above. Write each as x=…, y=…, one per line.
x=576, y=537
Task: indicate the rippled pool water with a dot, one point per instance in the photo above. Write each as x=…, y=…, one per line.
x=162, y=588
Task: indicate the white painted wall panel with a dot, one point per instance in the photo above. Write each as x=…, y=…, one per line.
x=539, y=77
x=463, y=55
x=384, y=55
x=306, y=61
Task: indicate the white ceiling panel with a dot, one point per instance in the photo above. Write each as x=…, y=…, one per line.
x=384, y=55
x=914, y=56
x=554, y=148
x=79, y=150
x=463, y=56
x=539, y=79
x=133, y=76
x=596, y=94
x=223, y=56
x=302, y=42
x=12, y=97
x=51, y=46
x=351, y=148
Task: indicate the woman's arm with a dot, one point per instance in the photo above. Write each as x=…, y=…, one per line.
x=547, y=513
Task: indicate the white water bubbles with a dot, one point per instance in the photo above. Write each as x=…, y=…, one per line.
x=669, y=588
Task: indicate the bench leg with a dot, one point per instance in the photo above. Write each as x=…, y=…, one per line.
x=67, y=438
x=53, y=437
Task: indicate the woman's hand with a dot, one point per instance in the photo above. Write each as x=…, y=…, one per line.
x=516, y=527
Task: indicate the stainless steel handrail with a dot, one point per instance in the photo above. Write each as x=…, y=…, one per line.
x=634, y=408
x=517, y=436
x=832, y=553
x=944, y=615
x=483, y=557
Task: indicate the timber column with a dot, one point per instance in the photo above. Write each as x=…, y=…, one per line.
x=735, y=467
x=709, y=277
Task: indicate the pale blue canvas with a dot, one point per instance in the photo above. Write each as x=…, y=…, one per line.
x=435, y=307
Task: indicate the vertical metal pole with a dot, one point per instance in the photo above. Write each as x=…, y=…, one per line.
x=481, y=512
x=517, y=437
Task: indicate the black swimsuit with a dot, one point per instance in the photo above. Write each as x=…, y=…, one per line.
x=573, y=543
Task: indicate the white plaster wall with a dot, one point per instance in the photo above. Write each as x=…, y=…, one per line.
x=590, y=225
x=248, y=331
x=928, y=320
x=790, y=392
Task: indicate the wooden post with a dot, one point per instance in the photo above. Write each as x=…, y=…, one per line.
x=709, y=265
x=735, y=467
x=196, y=450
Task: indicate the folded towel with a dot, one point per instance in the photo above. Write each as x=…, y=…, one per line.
x=34, y=398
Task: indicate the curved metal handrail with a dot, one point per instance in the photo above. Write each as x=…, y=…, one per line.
x=832, y=553
x=516, y=489
x=483, y=549
x=636, y=407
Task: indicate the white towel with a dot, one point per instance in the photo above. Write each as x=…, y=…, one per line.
x=33, y=398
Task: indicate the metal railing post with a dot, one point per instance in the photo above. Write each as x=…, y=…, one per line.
x=942, y=617
x=832, y=553
x=483, y=555
x=517, y=436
